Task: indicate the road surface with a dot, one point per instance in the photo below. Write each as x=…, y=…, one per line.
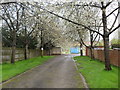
x=59, y=72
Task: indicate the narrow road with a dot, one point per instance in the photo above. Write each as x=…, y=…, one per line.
x=59, y=72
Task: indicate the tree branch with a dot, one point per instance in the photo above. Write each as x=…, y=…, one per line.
x=84, y=43
x=97, y=6
x=114, y=29
x=7, y=14
x=97, y=41
x=32, y=29
x=114, y=21
x=108, y=4
x=71, y=21
x=6, y=22
x=113, y=11
x=4, y=3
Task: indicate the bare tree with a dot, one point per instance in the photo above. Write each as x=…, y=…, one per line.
x=12, y=16
x=29, y=27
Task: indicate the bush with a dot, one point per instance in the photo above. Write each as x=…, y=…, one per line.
x=115, y=46
x=115, y=43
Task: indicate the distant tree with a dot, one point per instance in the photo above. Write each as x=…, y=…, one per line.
x=100, y=43
x=6, y=36
x=77, y=33
x=29, y=28
x=20, y=25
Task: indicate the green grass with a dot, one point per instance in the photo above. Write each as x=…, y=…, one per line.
x=94, y=73
x=11, y=70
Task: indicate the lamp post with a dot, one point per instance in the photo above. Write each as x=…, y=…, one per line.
x=41, y=38
x=42, y=41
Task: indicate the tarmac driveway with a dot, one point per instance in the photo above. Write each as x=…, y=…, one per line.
x=59, y=72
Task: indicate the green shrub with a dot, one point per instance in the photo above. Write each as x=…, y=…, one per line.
x=115, y=46
x=115, y=43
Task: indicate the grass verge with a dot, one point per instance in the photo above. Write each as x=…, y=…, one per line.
x=94, y=73
x=11, y=70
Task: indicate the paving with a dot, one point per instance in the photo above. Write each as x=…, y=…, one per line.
x=59, y=72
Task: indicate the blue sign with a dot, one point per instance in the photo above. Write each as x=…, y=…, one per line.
x=74, y=50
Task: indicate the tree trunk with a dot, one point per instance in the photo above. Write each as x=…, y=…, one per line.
x=106, y=54
x=91, y=53
x=49, y=52
x=91, y=45
x=13, y=54
x=26, y=52
x=106, y=39
x=81, y=51
x=13, y=47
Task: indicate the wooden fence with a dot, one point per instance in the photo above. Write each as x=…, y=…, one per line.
x=19, y=54
x=6, y=53
x=114, y=55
